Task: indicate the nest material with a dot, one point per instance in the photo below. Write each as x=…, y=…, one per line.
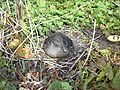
x=64, y=65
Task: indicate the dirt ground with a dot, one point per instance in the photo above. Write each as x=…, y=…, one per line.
x=102, y=40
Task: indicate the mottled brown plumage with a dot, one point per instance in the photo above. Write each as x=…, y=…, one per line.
x=58, y=45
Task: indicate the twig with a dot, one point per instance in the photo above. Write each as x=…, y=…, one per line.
x=93, y=72
x=67, y=63
x=90, y=44
x=11, y=34
x=30, y=19
x=76, y=61
x=4, y=50
x=1, y=10
x=54, y=64
x=8, y=5
x=74, y=75
x=118, y=4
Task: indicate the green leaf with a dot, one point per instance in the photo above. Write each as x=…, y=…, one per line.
x=80, y=13
x=10, y=87
x=116, y=81
x=85, y=84
x=55, y=11
x=110, y=73
x=2, y=84
x=41, y=3
x=107, y=71
x=66, y=86
x=29, y=4
x=25, y=27
x=5, y=85
x=105, y=52
x=44, y=80
x=58, y=85
x=55, y=86
x=2, y=62
x=101, y=75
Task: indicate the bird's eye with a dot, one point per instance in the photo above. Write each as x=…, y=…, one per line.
x=56, y=41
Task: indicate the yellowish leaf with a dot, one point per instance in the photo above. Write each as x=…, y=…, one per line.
x=24, y=53
x=14, y=44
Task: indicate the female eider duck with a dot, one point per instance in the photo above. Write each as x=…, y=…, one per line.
x=58, y=45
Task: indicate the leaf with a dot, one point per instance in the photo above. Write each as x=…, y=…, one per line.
x=55, y=85
x=5, y=85
x=45, y=80
x=24, y=53
x=55, y=11
x=29, y=4
x=2, y=84
x=66, y=86
x=10, y=87
x=67, y=4
x=116, y=81
x=80, y=13
x=101, y=75
x=14, y=44
x=85, y=84
x=106, y=32
x=10, y=20
x=58, y=85
x=41, y=3
x=24, y=25
x=110, y=73
x=22, y=88
x=105, y=52
x=2, y=62
x=107, y=71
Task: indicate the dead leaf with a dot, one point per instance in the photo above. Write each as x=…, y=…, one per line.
x=25, y=53
x=14, y=44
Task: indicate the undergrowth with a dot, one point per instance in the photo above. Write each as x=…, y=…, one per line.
x=42, y=17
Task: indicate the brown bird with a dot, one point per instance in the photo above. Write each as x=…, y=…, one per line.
x=58, y=45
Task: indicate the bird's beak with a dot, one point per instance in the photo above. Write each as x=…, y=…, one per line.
x=63, y=47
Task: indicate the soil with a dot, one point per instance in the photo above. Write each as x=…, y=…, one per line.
x=102, y=40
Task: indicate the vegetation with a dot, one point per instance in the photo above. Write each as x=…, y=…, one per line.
x=24, y=21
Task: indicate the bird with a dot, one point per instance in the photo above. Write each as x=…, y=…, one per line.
x=58, y=45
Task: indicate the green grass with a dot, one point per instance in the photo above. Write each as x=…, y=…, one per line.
x=52, y=14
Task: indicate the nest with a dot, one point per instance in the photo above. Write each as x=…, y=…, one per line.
x=64, y=66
